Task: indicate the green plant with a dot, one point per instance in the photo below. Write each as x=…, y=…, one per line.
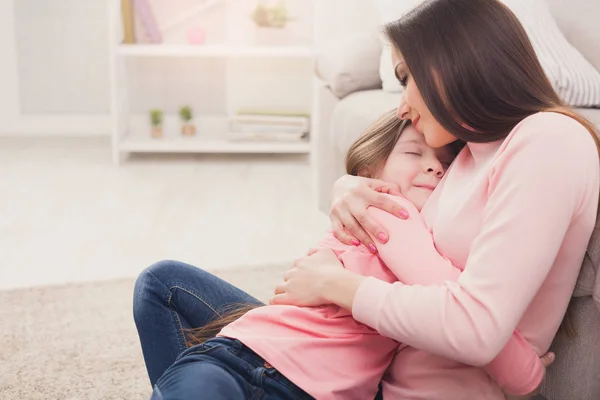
x=185, y=113
x=276, y=16
x=156, y=117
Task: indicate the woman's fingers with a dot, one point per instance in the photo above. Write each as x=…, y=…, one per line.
x=355, y=229
x=341, y=219
x=548, y=358
x=280, y=288
x=340, y=233
x=384, y=187
x=387, y=204
x=280, y=299
x=312, y=251
x=350, y=221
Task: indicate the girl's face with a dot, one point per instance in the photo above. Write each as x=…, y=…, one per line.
x=413, y=107
x=416, y=167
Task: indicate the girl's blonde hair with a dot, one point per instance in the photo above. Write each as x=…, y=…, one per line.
x=368, y=154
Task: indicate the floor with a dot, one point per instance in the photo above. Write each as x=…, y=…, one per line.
x=67, y=214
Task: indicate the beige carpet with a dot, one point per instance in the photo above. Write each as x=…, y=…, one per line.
x=78, y=342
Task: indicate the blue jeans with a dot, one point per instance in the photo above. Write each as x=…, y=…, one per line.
x=171, y=296
x=224, y=369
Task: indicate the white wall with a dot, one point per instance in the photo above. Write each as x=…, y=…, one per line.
x=62, y=56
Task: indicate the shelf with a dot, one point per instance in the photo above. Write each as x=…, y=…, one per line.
x=212, y=136
x=201, y=144
x=172, y=50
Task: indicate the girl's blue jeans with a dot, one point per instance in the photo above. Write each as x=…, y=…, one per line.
x=224, y=369
x=169, y=297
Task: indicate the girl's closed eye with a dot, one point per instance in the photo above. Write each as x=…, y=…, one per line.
x=413, y=150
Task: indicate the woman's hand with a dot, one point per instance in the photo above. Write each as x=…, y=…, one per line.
x=547, y=359
x=317, y=279
x=349, y=219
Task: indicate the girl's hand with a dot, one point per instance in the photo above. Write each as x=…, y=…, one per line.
x=305, y=283
x=547, y=359
x=349, y=219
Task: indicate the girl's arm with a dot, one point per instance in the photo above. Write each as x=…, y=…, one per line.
x=542, y=181
x=517, y=369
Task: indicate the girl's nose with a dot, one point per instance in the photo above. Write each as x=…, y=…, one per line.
x=439, y=172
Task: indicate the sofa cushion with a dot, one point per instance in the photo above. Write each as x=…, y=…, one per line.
x=574, y=374
x=388, y=11
x=578, y=20
x=589, y=278
x=575, y=80
x=350, y=64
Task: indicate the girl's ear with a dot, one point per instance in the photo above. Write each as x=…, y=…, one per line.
x=365, y=173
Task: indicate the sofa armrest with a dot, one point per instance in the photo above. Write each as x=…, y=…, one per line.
x=324, y=161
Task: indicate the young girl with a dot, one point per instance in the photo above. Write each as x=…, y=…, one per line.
x=289, y=352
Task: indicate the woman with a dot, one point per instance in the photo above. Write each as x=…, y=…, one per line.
x=515, y=211
x=470, y=75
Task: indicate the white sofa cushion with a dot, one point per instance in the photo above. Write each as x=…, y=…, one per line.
x=388, y=11
x=575, y=80
x=350, y=64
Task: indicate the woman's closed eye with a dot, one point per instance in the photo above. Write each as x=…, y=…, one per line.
x=403, y=80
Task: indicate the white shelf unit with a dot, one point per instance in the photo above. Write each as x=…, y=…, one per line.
x=131, y=131
x=213, y=139
x=177, y=50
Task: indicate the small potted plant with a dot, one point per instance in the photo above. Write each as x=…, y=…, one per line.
x=156, y=120
x=186, y=115
x=270, y=22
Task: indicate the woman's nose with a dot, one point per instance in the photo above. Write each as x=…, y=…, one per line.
x=403, y=110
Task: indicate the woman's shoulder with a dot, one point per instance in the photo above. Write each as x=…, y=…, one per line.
x=553, y=131
x=550, y=122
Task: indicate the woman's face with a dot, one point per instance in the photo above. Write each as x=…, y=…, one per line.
x=416, y=167
x=413, y=107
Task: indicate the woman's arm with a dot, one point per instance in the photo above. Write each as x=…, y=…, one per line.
x=517, y=369
x=536, y=189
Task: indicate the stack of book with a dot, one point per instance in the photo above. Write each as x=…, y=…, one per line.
x=269, y=126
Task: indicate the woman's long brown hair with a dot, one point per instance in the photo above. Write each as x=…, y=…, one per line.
x=477, y=71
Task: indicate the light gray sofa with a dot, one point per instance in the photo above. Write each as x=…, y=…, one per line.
x=349, y=97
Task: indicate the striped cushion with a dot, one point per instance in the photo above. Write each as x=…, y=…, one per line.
x=575, y=80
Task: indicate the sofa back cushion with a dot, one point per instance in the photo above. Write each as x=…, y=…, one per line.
x=579, y=21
